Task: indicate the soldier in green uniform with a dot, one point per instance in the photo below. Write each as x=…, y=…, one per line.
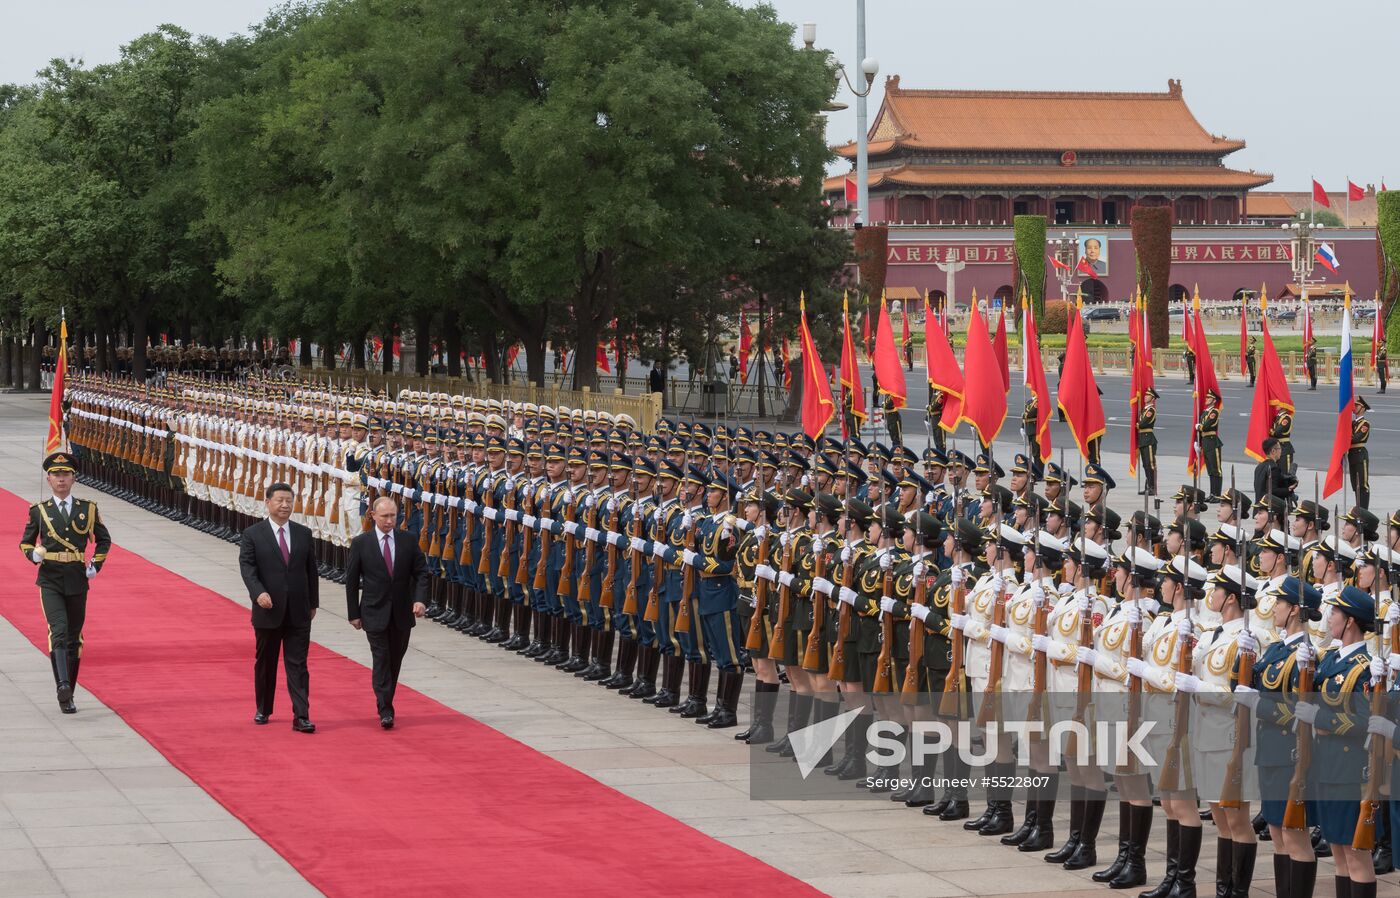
x=1147, y=442
x=1251, y=359
x=55, y=539
x=1382, y=366
x=1310, y=358
x=1282, y=430
x=1208, y=435
x=1358, y=457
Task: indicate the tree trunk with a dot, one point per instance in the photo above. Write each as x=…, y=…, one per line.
x=452, y=339
x=38, y=337
x=304, y=351
x=330, y=350
x=357, y=351
x=422, y=324
x=387, y=355
x=491, y=355
x=592, y=308
x=139, y=321
x=186, y=329
x=6, y=352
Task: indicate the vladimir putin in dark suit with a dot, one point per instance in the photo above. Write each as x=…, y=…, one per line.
x=386, y=587
x=279, y=570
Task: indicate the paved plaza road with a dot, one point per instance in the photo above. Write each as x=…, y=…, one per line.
x=87, y=807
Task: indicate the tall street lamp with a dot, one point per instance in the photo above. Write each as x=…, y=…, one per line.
x=869, y=67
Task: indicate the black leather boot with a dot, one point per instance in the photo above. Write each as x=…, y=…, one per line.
x=924, y=793
x=850, y=742
x=798, y=707
x=1124, y=824
x=521, y=637
x=697, y=702
x=559, y=639
x=1224, y=867
x=1381, y=857
x=1028, y=822
x=669, y=694
x=626, y=664
x=1002, y=819
x=957, y=808
x=1189, y=840
x=578, y=650
x=731, y=684
x=1134, y=872
x=1076, y=826
x=1242, y=869
x=61, y=676
x=857, y=768
x=1086, y=855
x=603, y=654
x=765, y=699
x=976, y=824
x=1164, y=888
x=650, y=663
x=1042, y=838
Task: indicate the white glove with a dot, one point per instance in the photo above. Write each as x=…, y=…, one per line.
x=998, y=583
x=512, y=515
x=37, y=556
x=846, y=555
x=958, y=621
x=1186, y=682
x=822, y=585
x=637, y=544
x=658, y=549
x=1086, y=655
x=1040, y=643
x=930, y=497
x=999, y=634
x=688, y=557
x=886, y=562
x=848, y=596
x=785, y=579
x=656, y=516
x=806, y=481
x=687, y=521
x=591, y=534
x=1378, y=669
x=919, y=611
x=818, y=545
x=1137, y=668
x=490, y=514
x=727, y=533
x=1184, y=628
x=1306, y=712
x=1134, y=613
x=751, y=601
x=918, y=570
x=1394, y=661
x=571, y=528
x=760, y=531
x=614, y=539
x=783, y=539
x=472, y=505
x=1379, y=726
x=958, y=577
x=530, y=521
x=546, y=523
x=887, y=604
x=1037, y=595
x=1246, y=642
x=1392, y=614
x=767, y=572
x=91, y=571
x=1247, y=696
x=1085, y=602
x=1306, y=653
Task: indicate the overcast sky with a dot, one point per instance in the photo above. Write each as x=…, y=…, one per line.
x=1236, y=60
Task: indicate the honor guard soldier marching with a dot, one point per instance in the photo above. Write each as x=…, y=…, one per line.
x=55, y=539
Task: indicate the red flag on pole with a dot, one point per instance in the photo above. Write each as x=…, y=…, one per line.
x=999, y=344
x=1079, y=392
x=1353, y=192
x=601, y=355
x=1056, y=263
x=1346, y=405
x=852, y=193
x=1142, y=380
x=888, y=371
x=55, y=439
x=787, y=366
x=1244, y=332
x=943, y=371
x=745, y=347
x=1320, y=195
x=1085, y=268
x=1206, y=382
x=1307, y=319
x=817, y=406
x=904, y=323
x=984, y=392
x=851, y=389
x=1035, y=378
x=1271, y=392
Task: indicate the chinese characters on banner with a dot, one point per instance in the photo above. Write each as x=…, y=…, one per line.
x=1000, y=253
x=1232, y=252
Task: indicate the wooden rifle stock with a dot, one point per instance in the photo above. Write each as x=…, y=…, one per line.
x=753, y=641
x=687, y=588
x=1170, y=780
x=566, y=573
x=909, y=695
x=884, y=664
x=1134, y=689
x=1040, y=669
x=629, y=600
x=1232, y=790
x=546, y=544
x=812, y=657
x=610, y=576
x=950, y=703
x=334, y=510
x=503, y=563
x=585, y=580
x=991, y=696
x=1295, y=813
x=488, y=499
x=775, y=647
x=426, y=528
x=1364, y=838
x=435, y=511
x=522, y=569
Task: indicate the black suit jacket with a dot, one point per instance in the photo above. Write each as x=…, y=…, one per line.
x=294, y=587
x=370, y=595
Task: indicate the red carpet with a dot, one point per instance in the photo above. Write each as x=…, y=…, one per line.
x=443, y=805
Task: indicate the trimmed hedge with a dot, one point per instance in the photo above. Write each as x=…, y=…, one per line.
x=1056, y=317
x=1152, y=239
x=1028, y=257
x=1388, y=248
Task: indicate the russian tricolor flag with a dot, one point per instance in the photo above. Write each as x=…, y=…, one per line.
x=1346, y=407
x=1327, y=257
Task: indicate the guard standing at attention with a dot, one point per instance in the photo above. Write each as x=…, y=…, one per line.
x=1208, y=432
x=1310, y=358
x=1358, y=456
x=1382, y=366
x=1147, y=442
x=56, y=539
x=1251, y=359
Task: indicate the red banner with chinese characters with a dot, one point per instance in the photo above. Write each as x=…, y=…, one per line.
x=1257, y=251
x=929, y=253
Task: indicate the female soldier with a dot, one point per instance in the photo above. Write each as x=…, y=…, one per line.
x=760, y=510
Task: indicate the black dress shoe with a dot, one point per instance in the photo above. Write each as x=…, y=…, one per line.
x=958, y=809
x=68, y=707
x=387, y=722
x=260, y=718
x=302, y=725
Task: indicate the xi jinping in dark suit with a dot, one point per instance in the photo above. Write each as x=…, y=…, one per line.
x=386, y=587
x=279, y=569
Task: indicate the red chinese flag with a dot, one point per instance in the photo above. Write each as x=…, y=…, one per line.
x=1035, y=381
x=1056, y=263
x=787, y=366
x=999, y=344
x=852, y=193
x=1271, y=395
x=745, y=347
x=1320, y=195
x=602, y=359
x=1141, y=382
x=1085, y=268
x=1079, y=393
x=1354, y=193
x=817, y=405
x=54, y=441
x=888, y=371
x=943, y=371
x=1206, y=384
x=904, y=324
x=850, y=369
x=984, y=392
x=1133, y=326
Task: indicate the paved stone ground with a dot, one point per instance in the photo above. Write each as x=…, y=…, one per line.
x=87, y=807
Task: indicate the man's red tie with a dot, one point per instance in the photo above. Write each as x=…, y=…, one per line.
x=388, y=557
x=282, y=544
